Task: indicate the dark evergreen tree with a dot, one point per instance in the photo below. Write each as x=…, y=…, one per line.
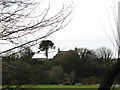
x=45, y=45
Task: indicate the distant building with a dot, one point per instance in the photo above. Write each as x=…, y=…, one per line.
x=53, y=54
x=40, y=57
x=60, y=53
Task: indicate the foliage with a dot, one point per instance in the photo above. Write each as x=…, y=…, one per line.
x=45, y=45
x=105, y=56
x=68, y=61
x=55, y=75
x=110, y=75
x=68, y=68
x=90, y=81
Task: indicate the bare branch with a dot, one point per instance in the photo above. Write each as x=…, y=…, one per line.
x=16, y=25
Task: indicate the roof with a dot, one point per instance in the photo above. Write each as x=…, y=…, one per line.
x=42, y=55
x=39, y=56
x=61, y=53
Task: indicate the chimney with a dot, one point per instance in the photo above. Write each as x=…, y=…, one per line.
x=58, y=49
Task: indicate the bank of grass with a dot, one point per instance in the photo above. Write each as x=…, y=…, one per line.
x=60, y=87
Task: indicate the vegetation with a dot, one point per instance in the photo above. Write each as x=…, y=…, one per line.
x=57, y=86
x=74, y=66
x=45, y=45
x=71, y=87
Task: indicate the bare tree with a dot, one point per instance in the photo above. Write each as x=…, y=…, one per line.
x=104, y=56
x=23, y=23
x=104, y=53
x=113, y=71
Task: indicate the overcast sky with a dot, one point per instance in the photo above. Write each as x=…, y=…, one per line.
x=91, y=24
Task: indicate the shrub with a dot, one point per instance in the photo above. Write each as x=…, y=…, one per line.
x=90, y=80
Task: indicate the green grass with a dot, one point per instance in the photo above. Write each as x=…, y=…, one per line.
x=61, y=87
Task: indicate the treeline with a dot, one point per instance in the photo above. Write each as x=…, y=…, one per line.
x=69, y=67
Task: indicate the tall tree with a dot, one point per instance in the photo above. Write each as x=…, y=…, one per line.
x=45, y=45
x=104, y=53
x=114, y=71
x=55, y=75
x=26, y=53
x=104, y=56
x=109, y=76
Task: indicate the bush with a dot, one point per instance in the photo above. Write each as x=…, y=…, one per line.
x=90, y=80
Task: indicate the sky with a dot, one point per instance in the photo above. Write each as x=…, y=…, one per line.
x=91, y=24
x=91, y=27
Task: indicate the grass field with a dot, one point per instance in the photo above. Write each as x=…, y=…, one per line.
x=59, y=87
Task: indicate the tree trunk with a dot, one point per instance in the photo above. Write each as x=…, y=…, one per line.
x=46, y=53
x=109, y=77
